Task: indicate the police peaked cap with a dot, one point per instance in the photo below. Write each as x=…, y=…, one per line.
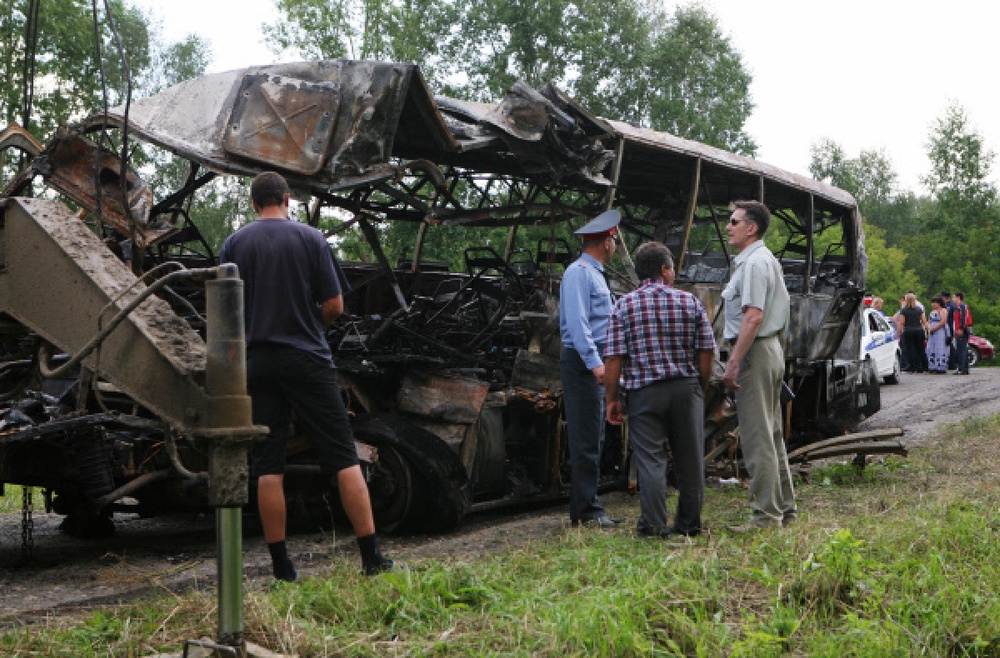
x=606, y=222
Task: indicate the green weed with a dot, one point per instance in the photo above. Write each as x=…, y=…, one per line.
x=12, y=499
x=898, y=559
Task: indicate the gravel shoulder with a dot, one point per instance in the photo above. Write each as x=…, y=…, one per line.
x=175, y=553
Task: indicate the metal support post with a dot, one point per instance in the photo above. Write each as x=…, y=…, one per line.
x=229, y=431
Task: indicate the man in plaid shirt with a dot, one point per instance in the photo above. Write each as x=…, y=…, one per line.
x=660, y=343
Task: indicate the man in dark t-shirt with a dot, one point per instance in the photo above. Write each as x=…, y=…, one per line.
x=292, y=292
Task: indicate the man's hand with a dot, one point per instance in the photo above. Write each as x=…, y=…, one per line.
x=599, y=374
x=732, y=372
x=749, y=326
x=614, y=413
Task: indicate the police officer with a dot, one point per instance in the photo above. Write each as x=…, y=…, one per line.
x=584, y=311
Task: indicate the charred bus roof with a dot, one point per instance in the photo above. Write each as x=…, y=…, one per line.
x=334, y=125
x=369, y=138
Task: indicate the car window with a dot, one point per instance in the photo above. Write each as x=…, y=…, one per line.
x=883, y=325
x=873, y=322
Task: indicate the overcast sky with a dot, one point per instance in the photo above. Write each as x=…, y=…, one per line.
x=868, y=74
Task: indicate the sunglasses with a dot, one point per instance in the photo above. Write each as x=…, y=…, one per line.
x=734, y=222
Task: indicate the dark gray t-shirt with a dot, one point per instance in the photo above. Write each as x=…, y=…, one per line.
x=288, y=271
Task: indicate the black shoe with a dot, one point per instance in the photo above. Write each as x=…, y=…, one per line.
x=650, y=534
x=286, y=573
x=382, y=565
x=599, y=522
x=691, y=532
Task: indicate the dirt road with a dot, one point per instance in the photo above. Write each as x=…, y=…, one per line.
x=921, y=403
x=179, y=552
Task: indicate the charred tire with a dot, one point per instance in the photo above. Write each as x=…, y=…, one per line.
x=81, y=520
x=439, y=486
x=974, y=356
x=870, y=389
x=390, y=485
x=897, y=370
x=311, y=504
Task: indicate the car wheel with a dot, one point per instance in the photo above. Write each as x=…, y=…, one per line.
x=897, y=370
x=973, y=355
x=871, y=396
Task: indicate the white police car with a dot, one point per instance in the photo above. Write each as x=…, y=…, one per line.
x=880, y=344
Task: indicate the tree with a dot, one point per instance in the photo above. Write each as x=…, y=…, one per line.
x=960, y=170
x=611, y=69
x=67, y=72
x=831, y=165
x=699, y=87
x=74, y=76
x=870, y=177
x=958, y=224
x=873, y=182
x=392, y=30
x=70, y=80
x=172, y=63
x=594, y=49
x=888, y=276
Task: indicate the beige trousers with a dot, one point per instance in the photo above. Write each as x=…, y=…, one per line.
x=758, y=404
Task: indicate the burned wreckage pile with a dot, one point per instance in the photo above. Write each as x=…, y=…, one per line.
x=449, y=371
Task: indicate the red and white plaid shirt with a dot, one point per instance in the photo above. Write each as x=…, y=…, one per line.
x=658, y=329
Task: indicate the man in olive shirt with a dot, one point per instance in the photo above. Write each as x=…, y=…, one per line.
x=756, y=314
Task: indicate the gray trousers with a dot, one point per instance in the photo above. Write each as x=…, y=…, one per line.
x=758, y=405
x=583, y=399
x=669, y=412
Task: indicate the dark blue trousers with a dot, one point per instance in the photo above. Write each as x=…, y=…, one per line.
x=583, y=400
x=962, y=352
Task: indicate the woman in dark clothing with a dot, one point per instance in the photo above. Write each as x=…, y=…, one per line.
x=912, y=326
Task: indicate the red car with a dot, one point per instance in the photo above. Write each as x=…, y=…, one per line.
x=979, y=348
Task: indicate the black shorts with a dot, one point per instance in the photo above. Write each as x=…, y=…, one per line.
x=283, y=380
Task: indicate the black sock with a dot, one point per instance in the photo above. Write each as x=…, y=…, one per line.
x=280, y=562
x=370, y=553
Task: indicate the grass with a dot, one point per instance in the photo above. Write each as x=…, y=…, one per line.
x=12, y=499
x=898, y=559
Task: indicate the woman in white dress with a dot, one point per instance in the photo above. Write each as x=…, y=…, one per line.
x=937, y=345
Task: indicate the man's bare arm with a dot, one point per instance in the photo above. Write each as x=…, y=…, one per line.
x=612, y=372
x=706, y=359
x=752, y=318
x=331, y=309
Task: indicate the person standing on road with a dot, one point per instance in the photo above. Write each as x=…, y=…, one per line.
x=897, y=329
x=662, y=340
x=963, y=326
x=950, y=329
x=937, y=348
x=912, y=327
x=584, y=309
x=292, y=292
x=756, y=308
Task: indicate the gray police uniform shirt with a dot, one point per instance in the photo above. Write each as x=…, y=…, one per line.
x=756, y=282
x=585, y=309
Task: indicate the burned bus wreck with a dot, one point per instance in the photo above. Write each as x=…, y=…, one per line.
x=447, y=353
